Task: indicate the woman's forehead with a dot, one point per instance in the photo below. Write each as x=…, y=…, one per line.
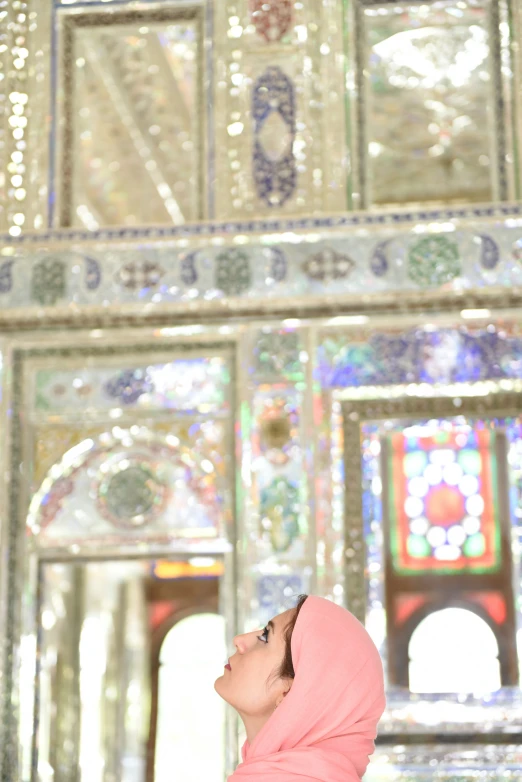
x=281, y=620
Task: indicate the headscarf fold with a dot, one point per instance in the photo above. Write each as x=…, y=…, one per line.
x=324, y=729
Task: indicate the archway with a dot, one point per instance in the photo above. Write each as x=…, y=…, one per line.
x=190, y=715
x=453, y=650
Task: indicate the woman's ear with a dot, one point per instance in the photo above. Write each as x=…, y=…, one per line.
x=287, y=687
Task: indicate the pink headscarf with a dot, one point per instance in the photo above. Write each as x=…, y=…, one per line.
x=324, y=729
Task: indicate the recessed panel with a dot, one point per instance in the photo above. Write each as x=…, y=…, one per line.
x=132, y=119
x=427, y=102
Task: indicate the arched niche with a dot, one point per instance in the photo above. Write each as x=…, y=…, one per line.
x=125, y=484
x=453, y=650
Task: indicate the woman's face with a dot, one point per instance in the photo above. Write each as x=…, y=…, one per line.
x=250, y=684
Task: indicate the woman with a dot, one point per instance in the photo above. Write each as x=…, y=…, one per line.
x=309, y=689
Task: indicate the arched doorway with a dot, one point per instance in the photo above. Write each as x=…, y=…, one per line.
x=190, y=715
x=187, y=655
x=453, y=650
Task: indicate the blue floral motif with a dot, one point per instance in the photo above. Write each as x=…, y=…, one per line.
x=279, y=264
x=489, y=252
x=129, y=385
x=275, y=178
x=92, y=273
x=6, y=276
x=188, y=271
x=379, y=263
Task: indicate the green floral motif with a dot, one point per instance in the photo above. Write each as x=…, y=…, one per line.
x=130, y=493
x=132, y=496
x=233, y=273
x=48, y=281
x=279, y=509
x=433, y=261
x=277, y=354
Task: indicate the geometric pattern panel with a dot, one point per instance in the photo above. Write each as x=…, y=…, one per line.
x=443, y=513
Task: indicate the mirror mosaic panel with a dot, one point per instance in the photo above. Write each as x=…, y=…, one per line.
x=433, y=66
x=450, y=107
x=120, y=659
x=264, y=263
x=294, y=384
x=132, y=112
x=272, y=157
x=137, y=458
x=296, y=352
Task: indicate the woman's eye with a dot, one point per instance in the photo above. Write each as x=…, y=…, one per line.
x=264, y=636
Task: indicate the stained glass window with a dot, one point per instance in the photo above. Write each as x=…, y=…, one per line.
x=443, y=513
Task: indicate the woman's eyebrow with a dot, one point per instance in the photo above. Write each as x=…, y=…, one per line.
x=272, y=626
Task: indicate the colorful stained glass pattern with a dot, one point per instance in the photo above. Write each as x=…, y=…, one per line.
x=442, y=512
x=420, y=356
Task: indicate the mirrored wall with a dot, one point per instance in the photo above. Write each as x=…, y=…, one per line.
x=191, y=481
x=174, y=112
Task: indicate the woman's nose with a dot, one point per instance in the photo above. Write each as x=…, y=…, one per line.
x=241, y=643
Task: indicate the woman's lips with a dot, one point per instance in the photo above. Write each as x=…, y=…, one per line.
x=227, y=667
